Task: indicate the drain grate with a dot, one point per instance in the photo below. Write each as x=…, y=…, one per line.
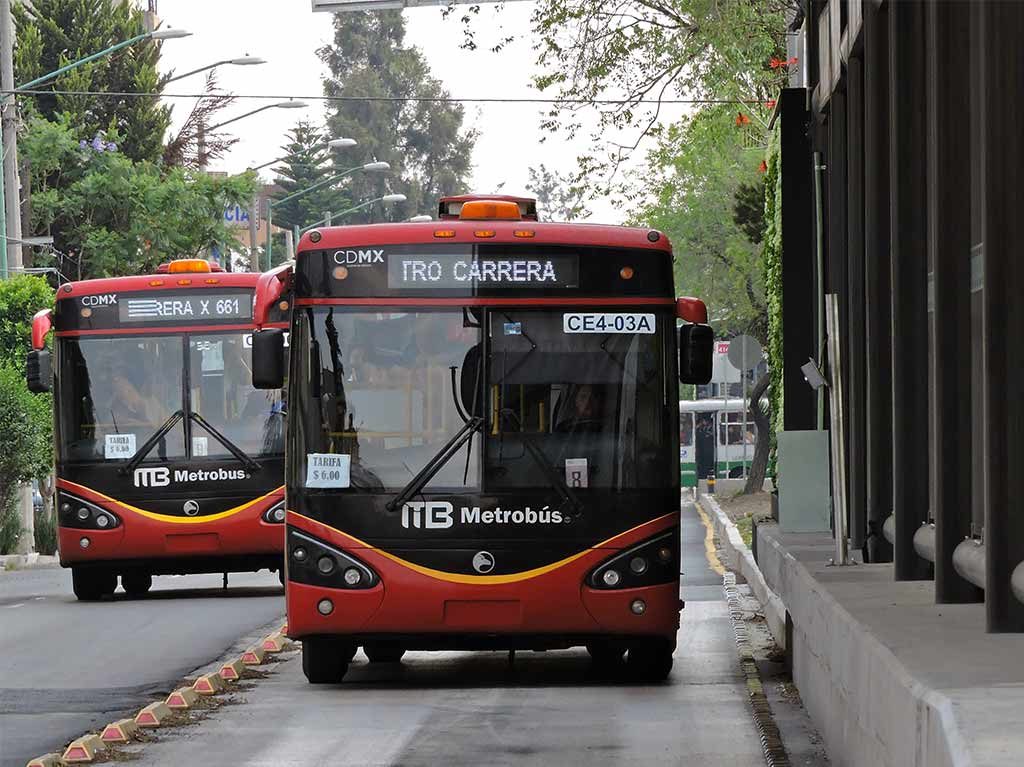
x=775, y=754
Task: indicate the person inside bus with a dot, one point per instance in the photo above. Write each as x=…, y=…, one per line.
x=586, y=413
x=132, y=402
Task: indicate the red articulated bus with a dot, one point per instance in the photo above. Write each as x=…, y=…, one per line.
x=167, y=459
x=482, y=442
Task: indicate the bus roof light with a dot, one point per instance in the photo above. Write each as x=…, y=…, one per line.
x=184, y=282
x=155, y=283
x=188, y=265
x=484, y=233
x=482, y=210
x=211, y=281
x=444, y=233
x=524, y=233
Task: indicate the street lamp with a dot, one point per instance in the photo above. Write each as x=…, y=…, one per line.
x=387, y=199
x=369, y=167
x=334, y=143
x=243, y=61
x=278, y=105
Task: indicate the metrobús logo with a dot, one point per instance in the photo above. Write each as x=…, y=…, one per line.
x=161, y=476
x=439, y=515
x=358, y=257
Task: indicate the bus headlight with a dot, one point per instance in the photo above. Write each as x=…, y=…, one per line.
x=84, y=515
x=648, y=563
x=317, y=563
x=275, y=514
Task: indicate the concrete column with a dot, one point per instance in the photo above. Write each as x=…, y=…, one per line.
x=1001, y=29
x=949, y=246
x=877, y=323
x=908, y=232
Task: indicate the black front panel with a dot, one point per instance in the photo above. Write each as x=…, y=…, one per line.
x=155, y=309
x=522, y=531
x=178, y=489
x=439, y=269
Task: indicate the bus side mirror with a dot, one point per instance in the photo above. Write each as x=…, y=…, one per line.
x=39, y=371
x=268, y=359
x=696, y=347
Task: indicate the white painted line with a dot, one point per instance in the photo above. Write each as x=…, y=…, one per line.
x=38, y=599
x=11, y=607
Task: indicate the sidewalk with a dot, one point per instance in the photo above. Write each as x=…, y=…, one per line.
x=890, y=677
x=24, y=561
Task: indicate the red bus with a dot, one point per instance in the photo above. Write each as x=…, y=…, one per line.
x=482, y=442
x=167, y=459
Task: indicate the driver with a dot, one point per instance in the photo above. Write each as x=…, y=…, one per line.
x=586, y=410
x=129, y=383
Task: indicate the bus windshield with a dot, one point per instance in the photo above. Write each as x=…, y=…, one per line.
x=117, y=392
x=560, y=409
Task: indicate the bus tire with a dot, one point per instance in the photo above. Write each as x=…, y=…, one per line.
x=136, y=584
x=92, y=585
x=604, y=654
x=650, y=661
x=324, y=660
x=383, y=653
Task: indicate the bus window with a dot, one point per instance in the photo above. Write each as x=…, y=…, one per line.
x=730, y=429
x=686, y=430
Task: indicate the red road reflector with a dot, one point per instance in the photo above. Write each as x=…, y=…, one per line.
x=254, y=656
x=273, y=643
x=182, y=698
x=209, y=684
x=283, y=630
x=120, y=731
x=83, y=750
x=46, y=760
x=232, y=670
x=153, y=715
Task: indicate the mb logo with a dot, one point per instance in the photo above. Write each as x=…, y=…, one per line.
x=157, y=476
x=432, y=515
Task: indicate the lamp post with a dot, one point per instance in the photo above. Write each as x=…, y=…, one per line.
x=369, y=167
x=242, y=61
x=254, y=257
x=9, y=183
x=203, y=129
x=387, y=199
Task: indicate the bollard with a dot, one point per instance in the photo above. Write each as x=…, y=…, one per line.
x=711, y=484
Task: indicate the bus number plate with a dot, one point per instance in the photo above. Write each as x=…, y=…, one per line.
x=328, y=469
x=615, y=322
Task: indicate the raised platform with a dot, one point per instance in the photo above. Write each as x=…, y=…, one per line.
x=888, y=676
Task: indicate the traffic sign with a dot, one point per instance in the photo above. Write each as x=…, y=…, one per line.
x=745, y=352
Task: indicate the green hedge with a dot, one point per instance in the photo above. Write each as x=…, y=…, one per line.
x=771, y=252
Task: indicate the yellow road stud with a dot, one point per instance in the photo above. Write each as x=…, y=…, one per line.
x=84, y=749
x=46, y=760
x=232, y=670
x=254, y=656
x=273, y=643
x=153, y=714
x=183, y=697
x=209, y=684
x=120, y=731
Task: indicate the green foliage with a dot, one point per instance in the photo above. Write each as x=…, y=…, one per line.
x=10, y=522
x=26, y=437
x=748, y=210
x=771, y=254
x=693, y=177
x=423, y=140
x=21, y=297
x=53, y=33
x=636, y=51
x=110, y=215
x=45, y=530
x=308, y=164
x=558, y=198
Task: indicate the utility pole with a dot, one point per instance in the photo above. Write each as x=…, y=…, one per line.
x=254, y=224
x=12, y=215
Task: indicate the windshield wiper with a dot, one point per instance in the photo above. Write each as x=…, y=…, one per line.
x=232, y=448
x=149, y=444
x=439, y=459
x=552, y=476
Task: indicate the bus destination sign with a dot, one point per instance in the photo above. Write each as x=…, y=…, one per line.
x=185, y=307
x=462, y=271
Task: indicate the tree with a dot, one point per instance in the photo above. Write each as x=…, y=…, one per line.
x=52, y=33
x=110, y=215
x=21, y=296
x=411, y=127
x=558, y=199
x=307, y=164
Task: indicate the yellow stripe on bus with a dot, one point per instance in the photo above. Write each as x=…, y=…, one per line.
x=484, y=580
x=172, y=519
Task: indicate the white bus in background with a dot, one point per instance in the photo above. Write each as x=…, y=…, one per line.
x=712, y=439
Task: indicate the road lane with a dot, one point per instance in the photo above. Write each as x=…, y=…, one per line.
x=67, y=667
x=474, y=708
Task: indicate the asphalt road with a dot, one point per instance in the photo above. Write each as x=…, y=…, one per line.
x=473, y=708
x=68, y=667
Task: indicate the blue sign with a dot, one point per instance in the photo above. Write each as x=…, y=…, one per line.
x=236, y=215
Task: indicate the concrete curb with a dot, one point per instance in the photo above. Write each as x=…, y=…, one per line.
x=740, y=559
x=27, y=561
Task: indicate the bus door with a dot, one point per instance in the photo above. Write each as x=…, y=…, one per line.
x=704, y=443
x=687, y=460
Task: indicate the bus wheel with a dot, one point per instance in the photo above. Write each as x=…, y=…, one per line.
x=605, y=653
x=324, y=660
x=651, y=661
x=136, y=584
x=92, y=585
x=383, y=653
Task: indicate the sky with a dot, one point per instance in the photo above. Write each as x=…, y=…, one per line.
x=287, y=34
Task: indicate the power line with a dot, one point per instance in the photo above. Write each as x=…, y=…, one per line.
x=429, y=99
